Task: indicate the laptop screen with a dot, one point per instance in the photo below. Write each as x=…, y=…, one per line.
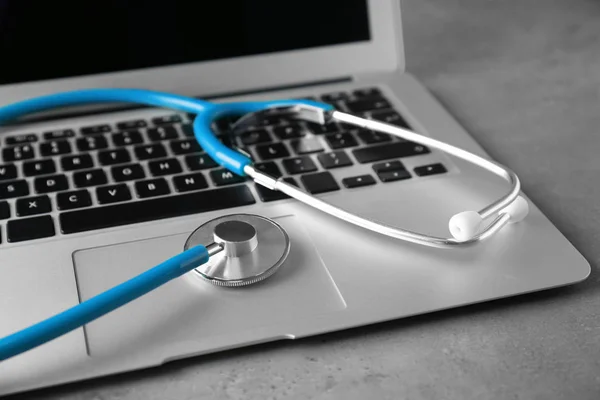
x=51, y=39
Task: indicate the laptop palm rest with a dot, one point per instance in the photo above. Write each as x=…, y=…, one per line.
x=189, y=309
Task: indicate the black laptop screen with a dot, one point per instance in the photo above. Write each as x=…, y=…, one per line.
x=42, y=39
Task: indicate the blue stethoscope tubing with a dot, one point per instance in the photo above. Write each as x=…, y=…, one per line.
x=101, y=304
x=207, y=112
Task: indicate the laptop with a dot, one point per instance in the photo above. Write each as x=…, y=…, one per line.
x=70, y=178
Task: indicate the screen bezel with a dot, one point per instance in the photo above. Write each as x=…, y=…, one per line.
x=383, y=53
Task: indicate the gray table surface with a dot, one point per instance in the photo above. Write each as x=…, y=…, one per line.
x=524, y=77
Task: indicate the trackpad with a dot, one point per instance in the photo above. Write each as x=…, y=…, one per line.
x=189, y=309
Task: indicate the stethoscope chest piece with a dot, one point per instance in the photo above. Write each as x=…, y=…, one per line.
x=254, y=248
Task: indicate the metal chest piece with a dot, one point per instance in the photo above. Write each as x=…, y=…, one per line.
x=254, y=248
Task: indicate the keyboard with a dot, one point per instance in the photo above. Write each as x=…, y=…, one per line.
x=86, y=178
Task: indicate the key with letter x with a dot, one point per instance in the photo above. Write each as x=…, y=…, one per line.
x=33, y=206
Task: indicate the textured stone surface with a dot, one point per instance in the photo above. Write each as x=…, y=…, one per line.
x=524, y=77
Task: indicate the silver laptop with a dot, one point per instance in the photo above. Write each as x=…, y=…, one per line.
x=79, y=213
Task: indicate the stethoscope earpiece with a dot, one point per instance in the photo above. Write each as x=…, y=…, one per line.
x=465, y=225
x=517, y=210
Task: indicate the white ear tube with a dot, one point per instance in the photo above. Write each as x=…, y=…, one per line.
x=463, y=226
x=517, y=210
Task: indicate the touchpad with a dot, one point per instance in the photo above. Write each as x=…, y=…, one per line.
x=189, y=309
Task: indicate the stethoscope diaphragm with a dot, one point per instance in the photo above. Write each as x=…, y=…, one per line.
x=254, y=248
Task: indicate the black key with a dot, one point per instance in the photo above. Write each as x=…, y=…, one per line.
x=390, y=117
x=388, y=166
x=188, y=130
x=269, y=120
x=150, y=151
x=185, y=183
x=133, y=124
x=74, y=199
x=255, y=137
x=162, y=133
x=4, y=210
x=367, y=92
x=33, y=206
x=81, y=161
x=319, y=129
x=387, y=151
x=151, y=188
x=299, y=165
x=336, y=159
x=271, y=151
x=432, y=169
x=155, y=209
x=185, y=146
x=368, y=104
x=91, y=143
x=128, y=172
x=126, y=138
x=93, y=177
x=269, y=168
x=358, y=181
x=371, y=137
x=8, y=171
x=166, y=119
x=393, y=175
x=111, y=157
x=199, y=161
x=307, y=145
x=55, y=148
x=20, y=139
x=291, y=131
x=272, y=195
x=335, y=96
x=59, y=134
x=95, y=129
x=320, y=182
x=223, y=125
x=165, y=167
x=19, y=152
x=12, y=189
x=30, y=228
x=341, y=140
x=113, y=193
x=42, y=167
x=51, y=183
x=223, y=176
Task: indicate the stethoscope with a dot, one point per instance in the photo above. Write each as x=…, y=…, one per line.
x=242, y=249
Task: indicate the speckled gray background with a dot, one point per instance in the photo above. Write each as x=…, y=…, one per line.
x=524, y=77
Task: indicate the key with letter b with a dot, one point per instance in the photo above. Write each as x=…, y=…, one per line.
x=152, y=187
